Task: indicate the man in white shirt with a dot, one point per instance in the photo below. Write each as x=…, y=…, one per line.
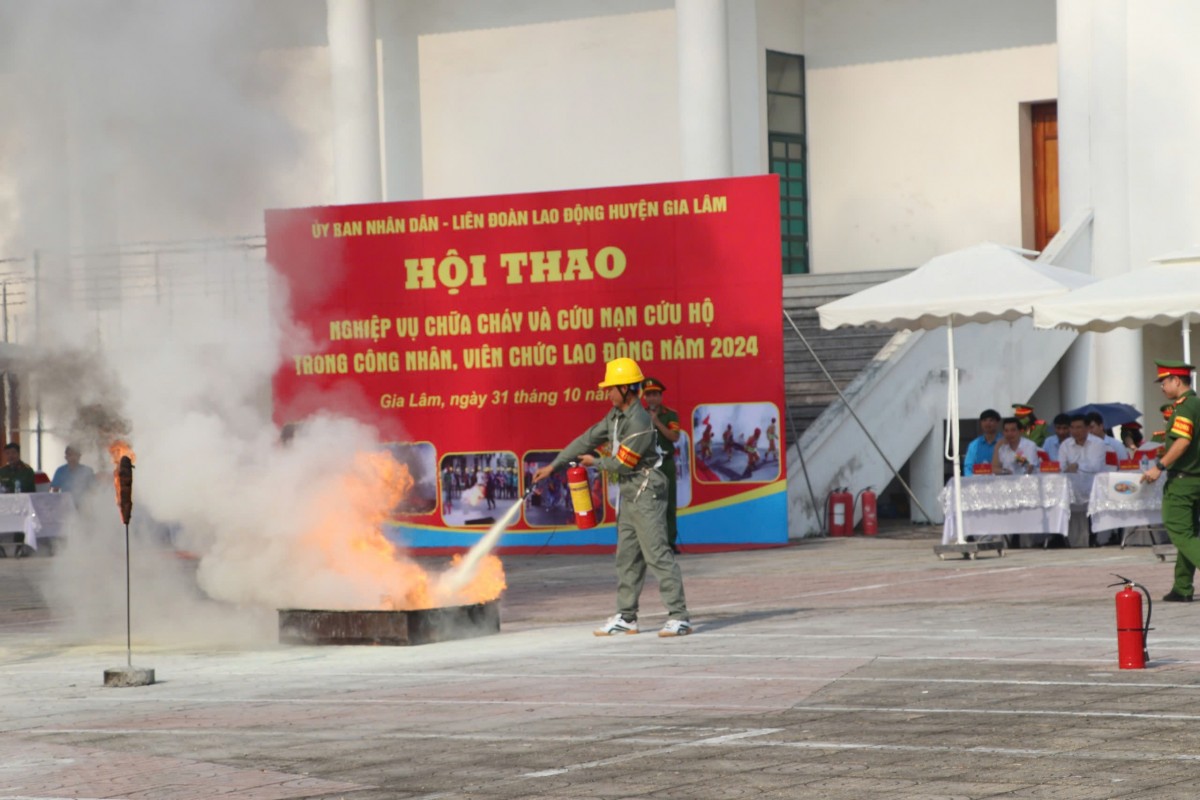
x=1095, y=424
x=1083, y=453
x=1014, y=453
x=1062, y=432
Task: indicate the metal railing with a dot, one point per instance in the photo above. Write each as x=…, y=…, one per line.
x=229, y=276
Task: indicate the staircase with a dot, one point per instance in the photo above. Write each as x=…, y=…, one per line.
x=845, y=352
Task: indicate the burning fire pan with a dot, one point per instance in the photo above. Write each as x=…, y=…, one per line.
x=422, y=626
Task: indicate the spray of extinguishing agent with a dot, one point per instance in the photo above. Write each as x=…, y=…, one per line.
x=1132, y=652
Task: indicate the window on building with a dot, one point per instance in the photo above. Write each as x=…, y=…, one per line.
x=789, y=154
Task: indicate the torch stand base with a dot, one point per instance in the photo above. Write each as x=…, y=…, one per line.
x=128, y=676
x=968, y=549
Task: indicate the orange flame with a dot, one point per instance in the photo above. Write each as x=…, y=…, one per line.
x=348, y=533
x=116, y=451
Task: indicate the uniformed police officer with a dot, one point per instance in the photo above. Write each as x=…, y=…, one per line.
x=634, y=460
x=666, y=423
x=1181, y=462
x=1032, y=428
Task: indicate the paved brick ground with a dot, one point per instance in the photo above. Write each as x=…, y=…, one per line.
x=845, y=668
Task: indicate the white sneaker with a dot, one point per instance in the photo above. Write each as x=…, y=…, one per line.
x=676, y=627
x=614, y=625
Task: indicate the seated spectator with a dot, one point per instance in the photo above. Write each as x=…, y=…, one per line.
x=979, y=451
x=1014, y=453
x=1131, y=436
x=16, y=475
x=1032, y=428
x=1062, y=432
x=1081, y=452
x=72, y=476
x=1096, y=428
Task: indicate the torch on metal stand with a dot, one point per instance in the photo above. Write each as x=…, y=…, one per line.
x=127, y=675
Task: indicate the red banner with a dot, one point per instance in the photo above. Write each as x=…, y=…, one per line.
x=472, y=333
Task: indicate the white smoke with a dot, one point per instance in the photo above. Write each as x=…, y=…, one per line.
x=173, y=119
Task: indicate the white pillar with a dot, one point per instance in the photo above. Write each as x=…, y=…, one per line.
x=357, y=175
x=926, y=471
x=1074, y=26
x=1118, y=355
x=705, y=130
x=400, y=73
x=747, y=92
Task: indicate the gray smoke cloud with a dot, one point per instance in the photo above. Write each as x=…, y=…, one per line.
x=177, y=119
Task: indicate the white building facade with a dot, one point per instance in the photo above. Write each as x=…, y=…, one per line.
x=903, y=126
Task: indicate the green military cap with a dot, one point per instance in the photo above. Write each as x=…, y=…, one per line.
x=653, y=385
x=1179, y=369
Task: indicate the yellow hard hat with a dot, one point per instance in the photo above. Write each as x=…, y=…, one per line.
x=621, y=372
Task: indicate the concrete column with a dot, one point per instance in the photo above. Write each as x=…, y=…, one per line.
x=400, y=73
x=925, y=475
x=1118, y=355
x=705, y=131
x=358, y=177
x=1074, y=26
x=748, y=94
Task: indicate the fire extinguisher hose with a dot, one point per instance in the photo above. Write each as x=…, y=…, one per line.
x=1149, y=609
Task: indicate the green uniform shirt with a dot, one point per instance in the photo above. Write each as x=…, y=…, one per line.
x=633, y=443
x=1037, y=432
x=669, y=418
x=17, y=477
x=1182, y=426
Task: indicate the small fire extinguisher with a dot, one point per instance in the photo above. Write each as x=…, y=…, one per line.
x=841, y=512
x=1132, y=652
x=581, y=496
x=870, y=512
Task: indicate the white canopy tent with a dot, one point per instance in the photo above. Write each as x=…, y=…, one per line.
x=983, y=283
x=1163, y=294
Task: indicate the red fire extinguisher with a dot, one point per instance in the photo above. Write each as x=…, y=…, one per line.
x=870, y=512
x=581, y=496
x=841, y=512
x=1132, y=652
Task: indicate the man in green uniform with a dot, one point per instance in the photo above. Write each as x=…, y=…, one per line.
x=641, y=500
x=15, y=476
x=666, y=423
x=1181, y=462
x=1032, y=428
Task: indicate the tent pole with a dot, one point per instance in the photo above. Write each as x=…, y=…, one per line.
x=952, y=439
x=849, y=408
x=1187, y=341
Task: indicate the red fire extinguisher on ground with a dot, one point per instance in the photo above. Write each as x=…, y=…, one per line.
x=870, y=512
x=841, y=512
x=1132, y=652
x=581, y=496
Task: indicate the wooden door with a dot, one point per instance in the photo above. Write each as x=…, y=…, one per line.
x=1045, y=172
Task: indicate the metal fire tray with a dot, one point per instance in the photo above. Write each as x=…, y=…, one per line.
x=420, y=626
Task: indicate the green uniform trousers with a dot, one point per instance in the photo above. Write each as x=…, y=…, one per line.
x=642, y=543
x=1181, y=504
x=668, y=469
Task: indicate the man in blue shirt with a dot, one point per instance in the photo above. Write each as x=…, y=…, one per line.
x=1062, y=432
x=72, y=476
x=979, y=451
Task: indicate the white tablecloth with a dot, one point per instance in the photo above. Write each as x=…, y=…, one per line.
x=35, y=515
x=994, y=505
x=1121, y=500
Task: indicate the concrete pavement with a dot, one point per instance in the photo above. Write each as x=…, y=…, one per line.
x=835, y=668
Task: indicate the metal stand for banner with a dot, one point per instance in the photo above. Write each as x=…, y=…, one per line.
x=850, y=408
